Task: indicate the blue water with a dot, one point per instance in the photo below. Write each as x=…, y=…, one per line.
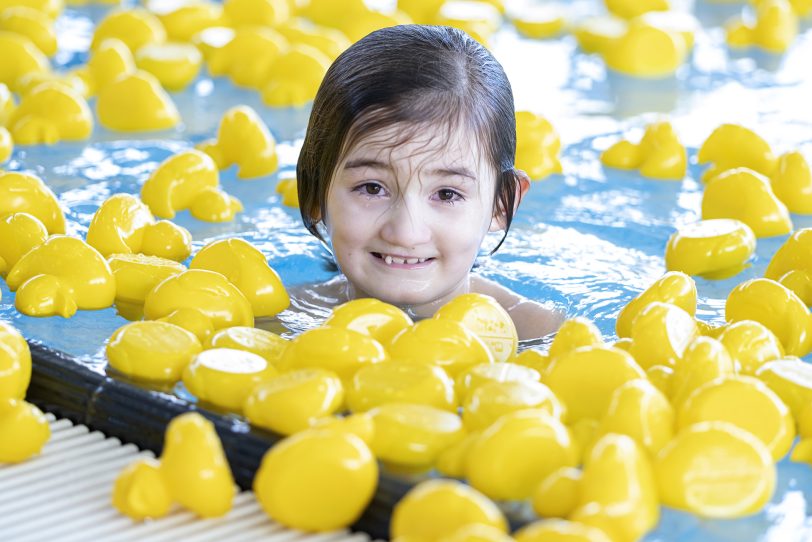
x=586, y=241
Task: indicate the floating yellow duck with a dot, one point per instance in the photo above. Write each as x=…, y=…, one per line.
x=31, y=23
x=294, y=76
x=629, y=9
x=329, y=41
x=183, y=20
x=618, y=491
x=674, y=287
x=246, y=268
x=713, y=249
x=243, y=139
x=135, y=27
x=775, y=28
x=60, y=276
x=537, y=145
x=123, y=224
x=733, y=145
x=289, y=191
x=791, y=180
x=659, y=155
x=152, y=350
x=136, y=102
x=204, y=292
x=645, y=50
x=778, y=308
x=51, y=113
x=754, y=203
x=189, y=180
x=21, y=57
x=317, y=480
x=108, y=61
x=247, y=56
x=19, y=233
x=23, y=193
x=174, y=64
x=294, y=401
x=791, y=267
x=372, y=317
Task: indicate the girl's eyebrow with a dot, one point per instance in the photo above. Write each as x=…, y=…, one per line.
x=365, y=162
x=447, y=171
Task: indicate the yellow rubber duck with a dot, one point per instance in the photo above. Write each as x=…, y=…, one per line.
x=733, y=145
x=629, y=9
x=618, y=491
x=659, y=155
x=713, y=249
x=51, y=8
x=479, y=375
x=60, y=276
x=750, y=345
x=257, y=12
x=294, y=401
x=329, y=41
x=317, y=480
x=15, y=363
x=194, y=467
x=294, y=76
x=599, y=369
x=559, y=529
x=263, y=343
x=792, y=182
x=790, y=265
x=247, y=56
x=246, y=268
x=445, y=343
x=31, y=23
x=243, y=139
x=755, y=203
x=135, y=102
x=203, y=292
x=372, y=317
x=23, y=193
x=673, y=287
x=660, y=334
x=108, y=61
x=123, y=224
x=538, y=21
x=140, y=492
x=225, y=377
x=704, y=360
x=537, y=146
x=152, y=350
x=183, y=20
x=517, y=452
x=574, y=333
x=340, y=350
x=436, y=509
x=778, y=308
x=135, y=27
x=137, y=274
x=24, y=430
x=391, y=382
x=51, y=113
x=189, y=180
x=483, y=315
x=491, y=400
x=646, y=51
x=775, y=28
x=19, y=233
x=174, y=64
x=597, y=33
x=21, y=58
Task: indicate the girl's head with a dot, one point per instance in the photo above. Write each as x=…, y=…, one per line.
x=409, y=156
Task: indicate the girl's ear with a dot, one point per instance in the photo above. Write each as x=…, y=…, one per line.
x=499, y=220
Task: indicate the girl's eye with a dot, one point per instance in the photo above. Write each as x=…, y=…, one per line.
x=446, y=194
x=370, y=189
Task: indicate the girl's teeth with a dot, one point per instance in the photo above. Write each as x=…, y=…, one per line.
x=388, y=259
x=411, y=261
x=398, y=260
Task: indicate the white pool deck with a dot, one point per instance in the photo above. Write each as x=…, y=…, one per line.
x=64, y=495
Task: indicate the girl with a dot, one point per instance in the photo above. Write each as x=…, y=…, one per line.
x=407, y=164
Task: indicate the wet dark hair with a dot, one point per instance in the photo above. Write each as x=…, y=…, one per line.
x=410, y=74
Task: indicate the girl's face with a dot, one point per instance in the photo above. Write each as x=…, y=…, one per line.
x=406, y=222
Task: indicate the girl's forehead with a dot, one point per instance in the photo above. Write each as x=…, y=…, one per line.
x=419, y=143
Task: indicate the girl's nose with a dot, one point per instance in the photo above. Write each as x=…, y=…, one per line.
x=405, y=226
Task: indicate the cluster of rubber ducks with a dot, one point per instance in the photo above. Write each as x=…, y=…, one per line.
x=594, y=436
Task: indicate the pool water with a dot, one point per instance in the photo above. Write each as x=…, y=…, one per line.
x=587, y=241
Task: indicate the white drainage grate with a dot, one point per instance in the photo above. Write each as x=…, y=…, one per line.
x=64, y=495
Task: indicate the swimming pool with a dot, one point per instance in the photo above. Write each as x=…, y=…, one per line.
x=587, y=241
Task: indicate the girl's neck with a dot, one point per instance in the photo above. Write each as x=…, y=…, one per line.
x=416, y=312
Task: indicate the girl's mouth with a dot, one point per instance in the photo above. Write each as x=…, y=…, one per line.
x=401, y=261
